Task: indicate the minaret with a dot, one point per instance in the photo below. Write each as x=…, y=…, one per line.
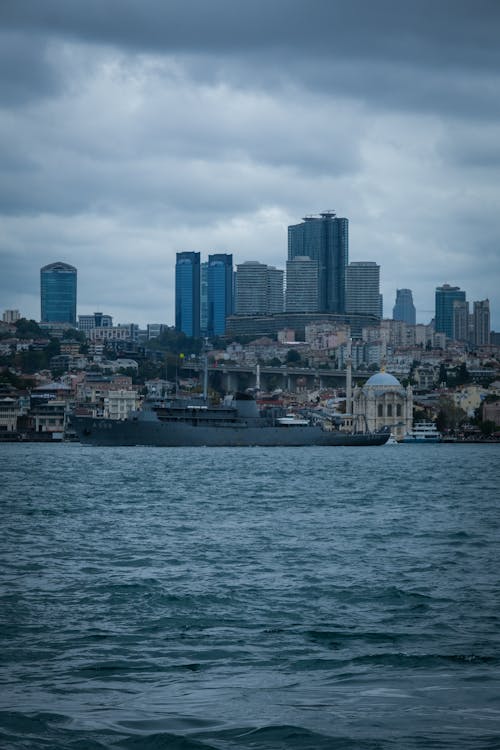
x=348, y=380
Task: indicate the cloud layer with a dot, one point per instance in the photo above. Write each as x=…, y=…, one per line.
x=130, y=131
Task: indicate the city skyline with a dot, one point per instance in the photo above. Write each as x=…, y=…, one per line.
x=130, y=137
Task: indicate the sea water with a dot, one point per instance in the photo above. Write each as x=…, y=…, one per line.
x=250, y=598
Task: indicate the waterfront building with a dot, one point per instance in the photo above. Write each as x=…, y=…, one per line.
x=11, y=316
x=325, y=239
x=481, y=322
x=96, y=320
x=302, y=285
x=362, y=291
x=118, y=404
x=187, y=293
x=219, y=292
x=58, y=293
x=446, y=295
x=404, y=309
x=383, y=402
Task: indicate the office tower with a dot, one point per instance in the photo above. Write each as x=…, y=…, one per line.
x=204, y=298
x=97, y=320
x=481, y=322
x=258, y=289
x=445, y=297
x=187, y=293
x=251, y=288
x=220, y=292
x=301, y=284
x=404, y=309
x=325, y=239
x=11, y=316
x=461, y=320
x=362, y=289
x=58, y=293
x=275, y=292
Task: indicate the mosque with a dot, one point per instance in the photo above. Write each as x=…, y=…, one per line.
x=383, y=402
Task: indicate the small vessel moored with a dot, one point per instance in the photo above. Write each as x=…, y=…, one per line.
x=423, y=432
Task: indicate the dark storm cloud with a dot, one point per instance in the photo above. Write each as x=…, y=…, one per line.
x=130, y=130
x=320, y=44
x=449, y=31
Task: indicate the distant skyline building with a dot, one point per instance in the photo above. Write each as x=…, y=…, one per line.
x=58, y=293
x=301, y=285
x=219, y=292
x=362, y=288
x=187, y=293
x=481, y=322
x=325, y=239
x=461, y=320
x=11, y=316
x=446, y=295
x=259, y=289
x=204, y=298
x=404, y=309
x=275, y=290
x=96, y=320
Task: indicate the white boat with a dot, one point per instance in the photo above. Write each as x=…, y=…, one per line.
x=423, y=432
x=392, y=440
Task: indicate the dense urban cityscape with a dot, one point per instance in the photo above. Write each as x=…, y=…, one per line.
x=291, y=336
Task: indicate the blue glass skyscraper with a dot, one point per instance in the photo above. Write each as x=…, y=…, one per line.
x=446, y=295
x=58, y=293
x=187, y=293
x=325, y=239
x=404, y=309
x=220, y=292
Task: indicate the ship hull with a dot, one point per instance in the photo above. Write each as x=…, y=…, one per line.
x=108, y=432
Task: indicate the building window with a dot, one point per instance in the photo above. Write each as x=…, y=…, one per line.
x=389, y=410
x=398, y=410
x=380, y=410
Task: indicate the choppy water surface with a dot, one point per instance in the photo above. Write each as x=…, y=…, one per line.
x=250, y=598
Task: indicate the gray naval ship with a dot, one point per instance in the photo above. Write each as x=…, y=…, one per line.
x=236, y=422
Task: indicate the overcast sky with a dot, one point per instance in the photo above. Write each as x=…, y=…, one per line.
x=134, y=129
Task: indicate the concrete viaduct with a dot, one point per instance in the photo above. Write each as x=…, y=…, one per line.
x=233, y=377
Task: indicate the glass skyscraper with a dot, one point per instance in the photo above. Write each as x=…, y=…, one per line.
x=187, y=293
x=404, y=309
x=220, y=292
x=58, y=293
x=446, y=295
x=325, y=239
x=362, y=288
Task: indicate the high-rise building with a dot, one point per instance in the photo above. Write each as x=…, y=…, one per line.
x=325, y=239
x=481, y=321
x=204, y=298
x=11, y=316
x=187, y=293
x=251, y=288
x=404, y=309
x=220, y=292
x=301, y=285
x=362, y=288
x=445, y=297
x=275, y=292
x=58, y=293
x=460, y=320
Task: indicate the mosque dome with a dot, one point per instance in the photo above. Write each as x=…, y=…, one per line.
x=383, y=378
